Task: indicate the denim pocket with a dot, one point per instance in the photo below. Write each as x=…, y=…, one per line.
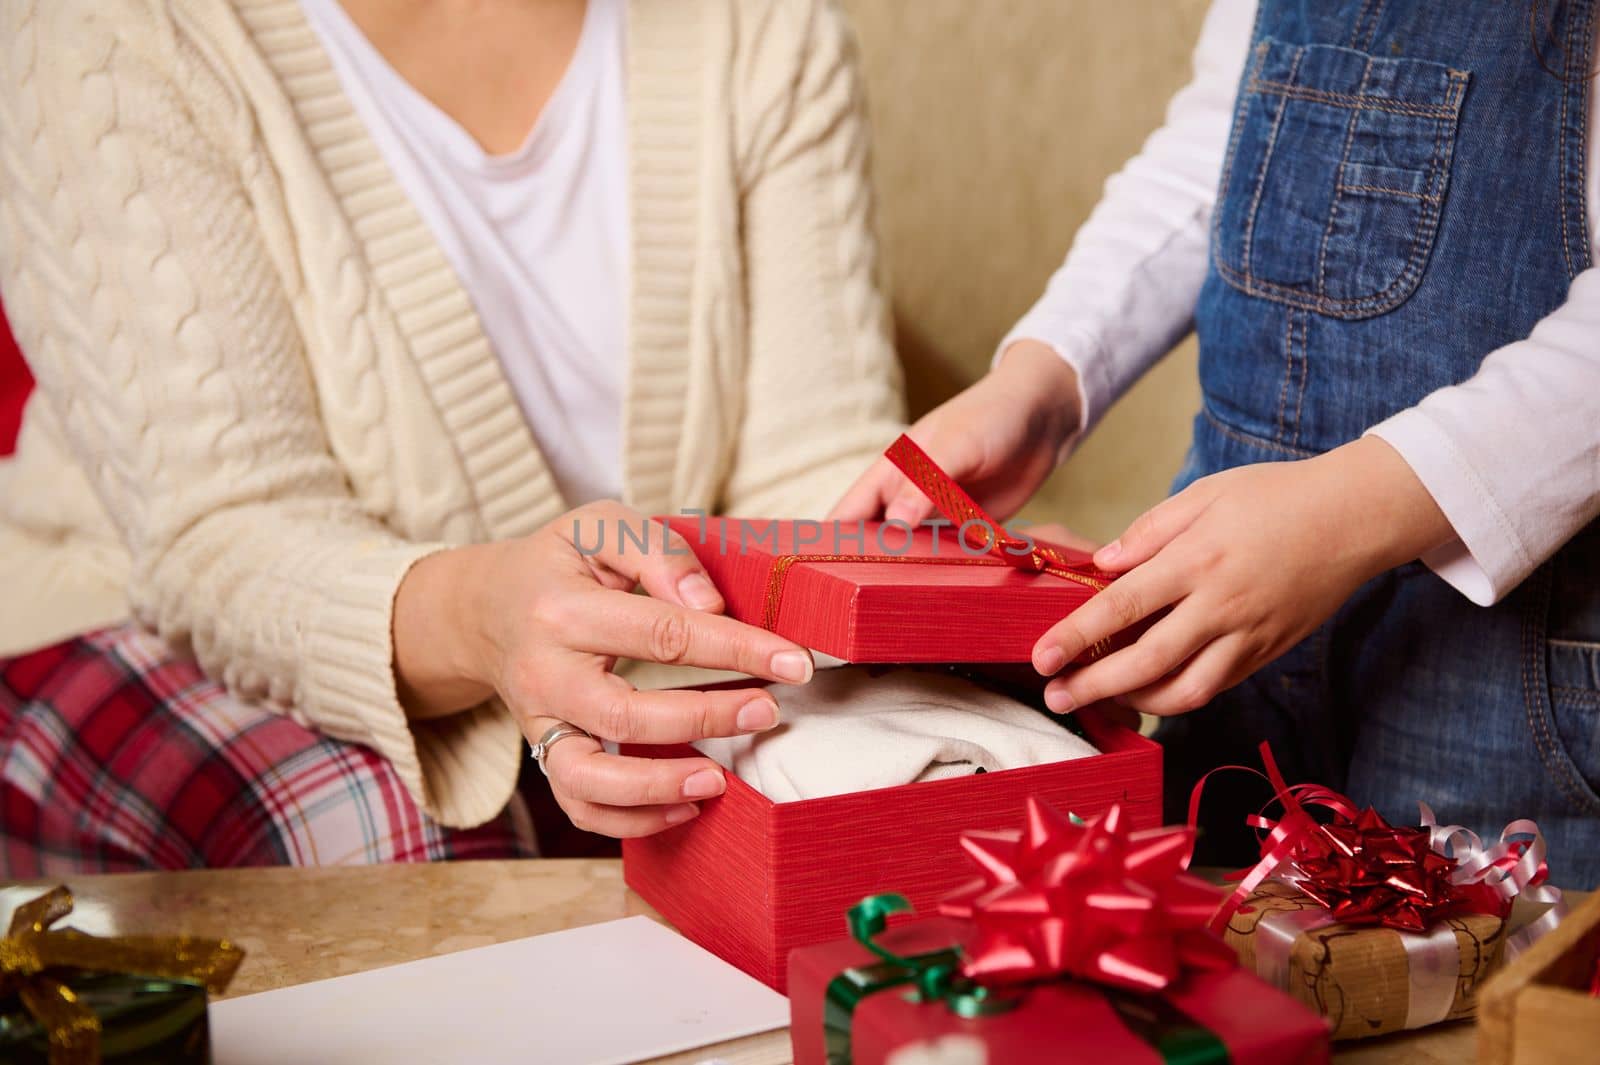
x=1335, y=176
x=1572, y=653
x=1574, y=674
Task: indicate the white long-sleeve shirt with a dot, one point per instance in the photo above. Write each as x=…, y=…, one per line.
x=1511, y=455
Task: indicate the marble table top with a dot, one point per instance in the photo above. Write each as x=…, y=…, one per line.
x=308, y=924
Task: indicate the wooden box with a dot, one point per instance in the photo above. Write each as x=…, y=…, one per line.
x=1540, y=1009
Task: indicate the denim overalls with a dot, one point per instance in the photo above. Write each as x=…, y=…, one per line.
x=1403, y=193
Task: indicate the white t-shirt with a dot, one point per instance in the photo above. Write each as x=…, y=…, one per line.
x=1511, y=455
x=538, y=238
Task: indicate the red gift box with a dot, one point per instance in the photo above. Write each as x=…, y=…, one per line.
x=872, y=592
x=750, y=879
x=1054, y=1020
x=968, y=590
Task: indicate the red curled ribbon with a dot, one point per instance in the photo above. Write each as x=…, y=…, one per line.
x=1365, y=871
x=1093, y=900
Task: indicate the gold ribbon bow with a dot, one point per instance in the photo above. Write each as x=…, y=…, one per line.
x=31, y=954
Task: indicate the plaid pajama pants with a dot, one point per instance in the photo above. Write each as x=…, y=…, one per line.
x=117, y=754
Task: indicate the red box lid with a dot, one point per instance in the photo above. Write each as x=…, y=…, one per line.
x=871, y=592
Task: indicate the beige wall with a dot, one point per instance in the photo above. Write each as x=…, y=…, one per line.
x=997, y=121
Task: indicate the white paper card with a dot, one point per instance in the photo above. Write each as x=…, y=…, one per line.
x=614, y=992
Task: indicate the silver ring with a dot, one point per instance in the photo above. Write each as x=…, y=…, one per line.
x=552, y=736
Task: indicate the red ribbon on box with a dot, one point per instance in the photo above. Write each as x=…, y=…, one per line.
x=964, y=513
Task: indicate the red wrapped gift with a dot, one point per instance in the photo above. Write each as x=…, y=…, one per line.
x=963, y=590
x=750, y=879
x=1084, y=939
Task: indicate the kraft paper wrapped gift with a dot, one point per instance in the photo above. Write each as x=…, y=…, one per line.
x=1381, y=928
x=1365, y=980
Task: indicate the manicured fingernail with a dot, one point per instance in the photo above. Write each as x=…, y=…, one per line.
x=1108, y=554
x=1058, y=700
x=697, y=591
x=679, y=814
x=1049, y=661
x=703, y=784
x=792, y=666
x=757, y=715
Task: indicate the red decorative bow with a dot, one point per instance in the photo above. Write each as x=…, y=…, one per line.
x=1092, y=900
x=1365, y=871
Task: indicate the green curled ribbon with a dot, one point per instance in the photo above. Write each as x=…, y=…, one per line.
x=931, y=977
x=936, y=977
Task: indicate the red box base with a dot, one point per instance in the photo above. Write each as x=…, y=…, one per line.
x=750, y=879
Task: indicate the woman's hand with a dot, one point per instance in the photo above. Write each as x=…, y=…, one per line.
x=998, y=439
x=542, y=620
x=1247, y=563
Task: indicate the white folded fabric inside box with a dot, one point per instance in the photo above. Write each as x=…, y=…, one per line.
x=855, y=729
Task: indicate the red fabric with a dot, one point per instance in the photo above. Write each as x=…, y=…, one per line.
x=16, y=383
x=926, y=599
x=750, y=879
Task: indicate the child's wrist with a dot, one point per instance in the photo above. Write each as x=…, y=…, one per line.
x=1404, y=521
x=1047, y=384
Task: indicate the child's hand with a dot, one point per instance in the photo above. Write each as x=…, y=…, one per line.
x=998, y=439
x=1249, y=561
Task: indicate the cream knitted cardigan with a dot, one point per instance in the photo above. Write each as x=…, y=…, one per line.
x=267, y=395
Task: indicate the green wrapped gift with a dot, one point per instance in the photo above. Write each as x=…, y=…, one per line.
x=67, y=998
